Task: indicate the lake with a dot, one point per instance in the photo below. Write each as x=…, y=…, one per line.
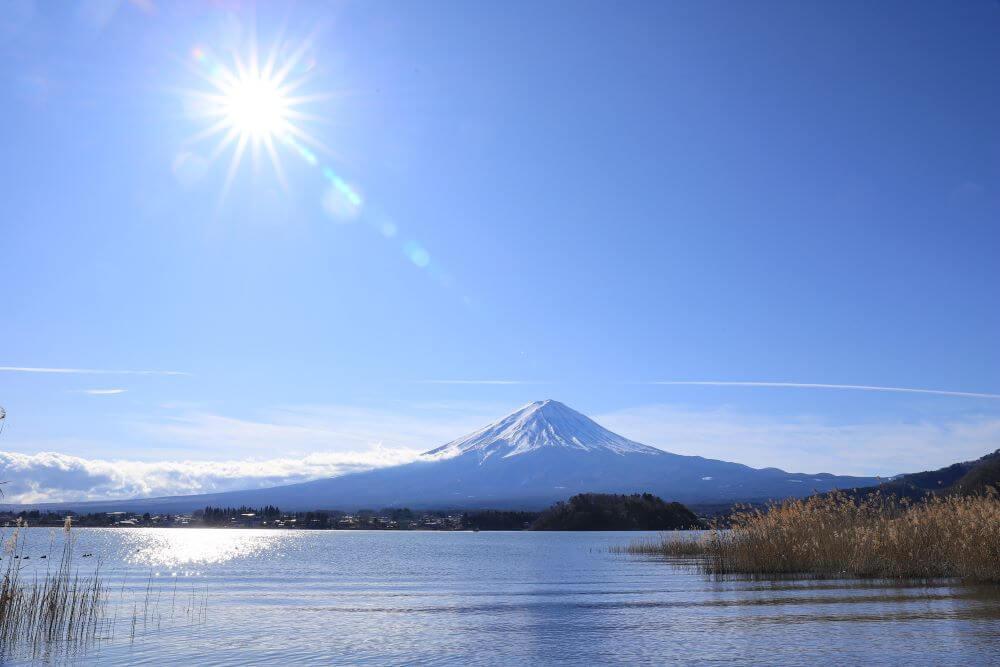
x=342, y=597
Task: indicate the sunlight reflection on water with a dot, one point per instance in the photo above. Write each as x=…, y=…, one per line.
x=173, y=548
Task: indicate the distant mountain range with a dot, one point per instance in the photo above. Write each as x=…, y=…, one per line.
x=965, y=478
x=539, y=454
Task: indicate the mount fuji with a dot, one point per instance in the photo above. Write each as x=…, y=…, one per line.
x=539, y=454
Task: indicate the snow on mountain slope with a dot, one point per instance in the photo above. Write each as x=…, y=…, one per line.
x=536, y=426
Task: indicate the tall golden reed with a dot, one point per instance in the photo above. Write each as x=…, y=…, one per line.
x=943, y=536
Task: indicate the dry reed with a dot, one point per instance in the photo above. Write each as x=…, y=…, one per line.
x=53, y=608
x=942, y=536
x=57, y=613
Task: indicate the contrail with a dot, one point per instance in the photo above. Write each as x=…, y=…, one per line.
x=83, y=371
x=477, y=382
x=814, y=385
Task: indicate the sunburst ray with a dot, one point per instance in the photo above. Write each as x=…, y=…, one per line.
x=253, y=105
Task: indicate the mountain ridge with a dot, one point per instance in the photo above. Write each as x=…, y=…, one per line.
x=963, y=478
x=541, y=453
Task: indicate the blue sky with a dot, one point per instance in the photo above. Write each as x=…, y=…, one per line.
x=578, y=199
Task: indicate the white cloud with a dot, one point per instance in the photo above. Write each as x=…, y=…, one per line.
x=814, y=385
x=103, y=392
x=49, y=476
x=498, y=382
x=279, y=446
x=806, y=443
x=310, y=428
x=83, y=371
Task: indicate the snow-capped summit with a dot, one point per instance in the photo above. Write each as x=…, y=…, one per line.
x=536, y=426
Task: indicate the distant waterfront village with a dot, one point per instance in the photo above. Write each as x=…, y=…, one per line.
x=584, y=511
x=261, y=518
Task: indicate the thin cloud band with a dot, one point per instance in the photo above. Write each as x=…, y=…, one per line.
x=816, y=385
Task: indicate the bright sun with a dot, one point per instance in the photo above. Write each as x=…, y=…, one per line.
x=255, y=106
x=251, y=105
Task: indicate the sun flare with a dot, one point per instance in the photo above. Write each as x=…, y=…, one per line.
x=252, y=105
x=255, y=106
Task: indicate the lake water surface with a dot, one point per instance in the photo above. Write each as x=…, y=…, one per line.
x=190, y=596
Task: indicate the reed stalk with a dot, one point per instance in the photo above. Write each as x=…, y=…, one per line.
x=43, y=610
